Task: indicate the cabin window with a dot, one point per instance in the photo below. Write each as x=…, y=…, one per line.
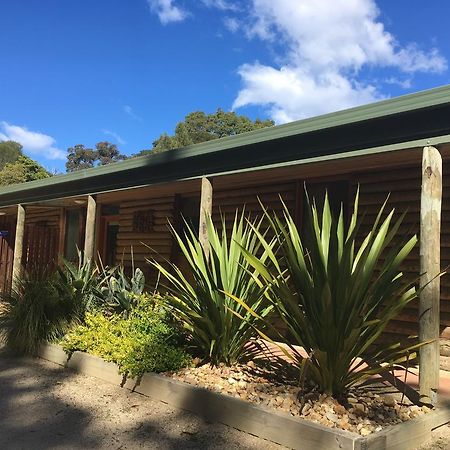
x=190, y=214
x=74, y=234
x=109, y=232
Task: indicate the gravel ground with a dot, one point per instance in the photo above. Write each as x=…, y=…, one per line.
x=440, y=440
x=45, y=407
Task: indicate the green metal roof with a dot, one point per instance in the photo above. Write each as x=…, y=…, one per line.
x=411, y=117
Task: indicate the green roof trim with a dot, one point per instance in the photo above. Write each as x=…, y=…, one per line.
x=415, y=116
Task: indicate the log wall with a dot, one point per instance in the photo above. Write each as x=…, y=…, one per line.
x=49, y=216
x=227, y=201
x=403, y=187
x=156, y=243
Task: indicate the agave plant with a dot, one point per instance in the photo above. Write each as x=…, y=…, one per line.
x=336, y=297
x=117, y=293
x=219, y=328
x=80, y=279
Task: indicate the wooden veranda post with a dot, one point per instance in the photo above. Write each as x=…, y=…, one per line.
x=18, y=244
x=205, y=209
x=430, y=245
x=89, y=239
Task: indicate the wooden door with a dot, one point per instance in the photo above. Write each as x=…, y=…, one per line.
x=41, y=245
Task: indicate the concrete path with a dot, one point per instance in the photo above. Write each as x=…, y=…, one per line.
x=45, y=407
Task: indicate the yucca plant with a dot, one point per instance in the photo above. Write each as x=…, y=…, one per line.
x=219, y=328
x=335, y=296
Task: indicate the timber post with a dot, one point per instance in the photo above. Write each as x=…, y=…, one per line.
x=89, y=239
x=430, y=245
x=205, y=209
x=18, y=244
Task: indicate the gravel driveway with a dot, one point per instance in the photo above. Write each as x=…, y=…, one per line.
x=45, y=407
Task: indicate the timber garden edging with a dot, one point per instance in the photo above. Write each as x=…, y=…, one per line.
x=274, y=426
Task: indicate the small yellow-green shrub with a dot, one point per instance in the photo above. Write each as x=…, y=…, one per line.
x=145, y=341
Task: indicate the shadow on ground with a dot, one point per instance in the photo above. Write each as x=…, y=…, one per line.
x=32, y=417
x=43, y=406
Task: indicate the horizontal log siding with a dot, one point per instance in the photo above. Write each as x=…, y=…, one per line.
x=227, y=202
x=404, y=186
x=159, y=239
x=51, y=217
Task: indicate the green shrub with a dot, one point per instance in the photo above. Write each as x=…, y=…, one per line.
x=337, y=297
x=38, y=309
x=219, y=327
x=145, y=341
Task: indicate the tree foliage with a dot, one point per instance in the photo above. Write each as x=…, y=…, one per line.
x=80, y=157
x=200, y=127
x=24, y=169
x=9, y=152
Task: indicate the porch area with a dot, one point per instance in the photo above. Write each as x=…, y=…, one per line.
x=130, y=225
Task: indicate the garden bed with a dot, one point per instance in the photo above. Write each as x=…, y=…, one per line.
x=364, y=411
x=259, y=419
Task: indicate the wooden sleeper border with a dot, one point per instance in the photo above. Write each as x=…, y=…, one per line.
x=265, y=423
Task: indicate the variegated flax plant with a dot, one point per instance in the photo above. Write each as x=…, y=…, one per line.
x=220, y=328
x=335, y=296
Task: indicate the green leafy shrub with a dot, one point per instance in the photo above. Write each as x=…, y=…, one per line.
x=219, y=327
x=38, y=309
x=335, y=296
x=145, y=341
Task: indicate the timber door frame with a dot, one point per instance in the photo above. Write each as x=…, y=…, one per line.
x=103, y=235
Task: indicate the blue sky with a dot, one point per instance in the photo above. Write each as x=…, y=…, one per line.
x=128, y=70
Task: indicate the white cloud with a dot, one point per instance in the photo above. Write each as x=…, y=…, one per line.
x=326, y=44
x=167, y=11
x=403, y=83
x=128, y=110
x=33, y=142
x=223, y=5
x=114, y=135
x=291, y=93
x=231, y=24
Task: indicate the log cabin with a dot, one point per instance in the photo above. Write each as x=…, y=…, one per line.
x=399, y=146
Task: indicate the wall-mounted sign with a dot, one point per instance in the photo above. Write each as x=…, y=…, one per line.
x=143, y=221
